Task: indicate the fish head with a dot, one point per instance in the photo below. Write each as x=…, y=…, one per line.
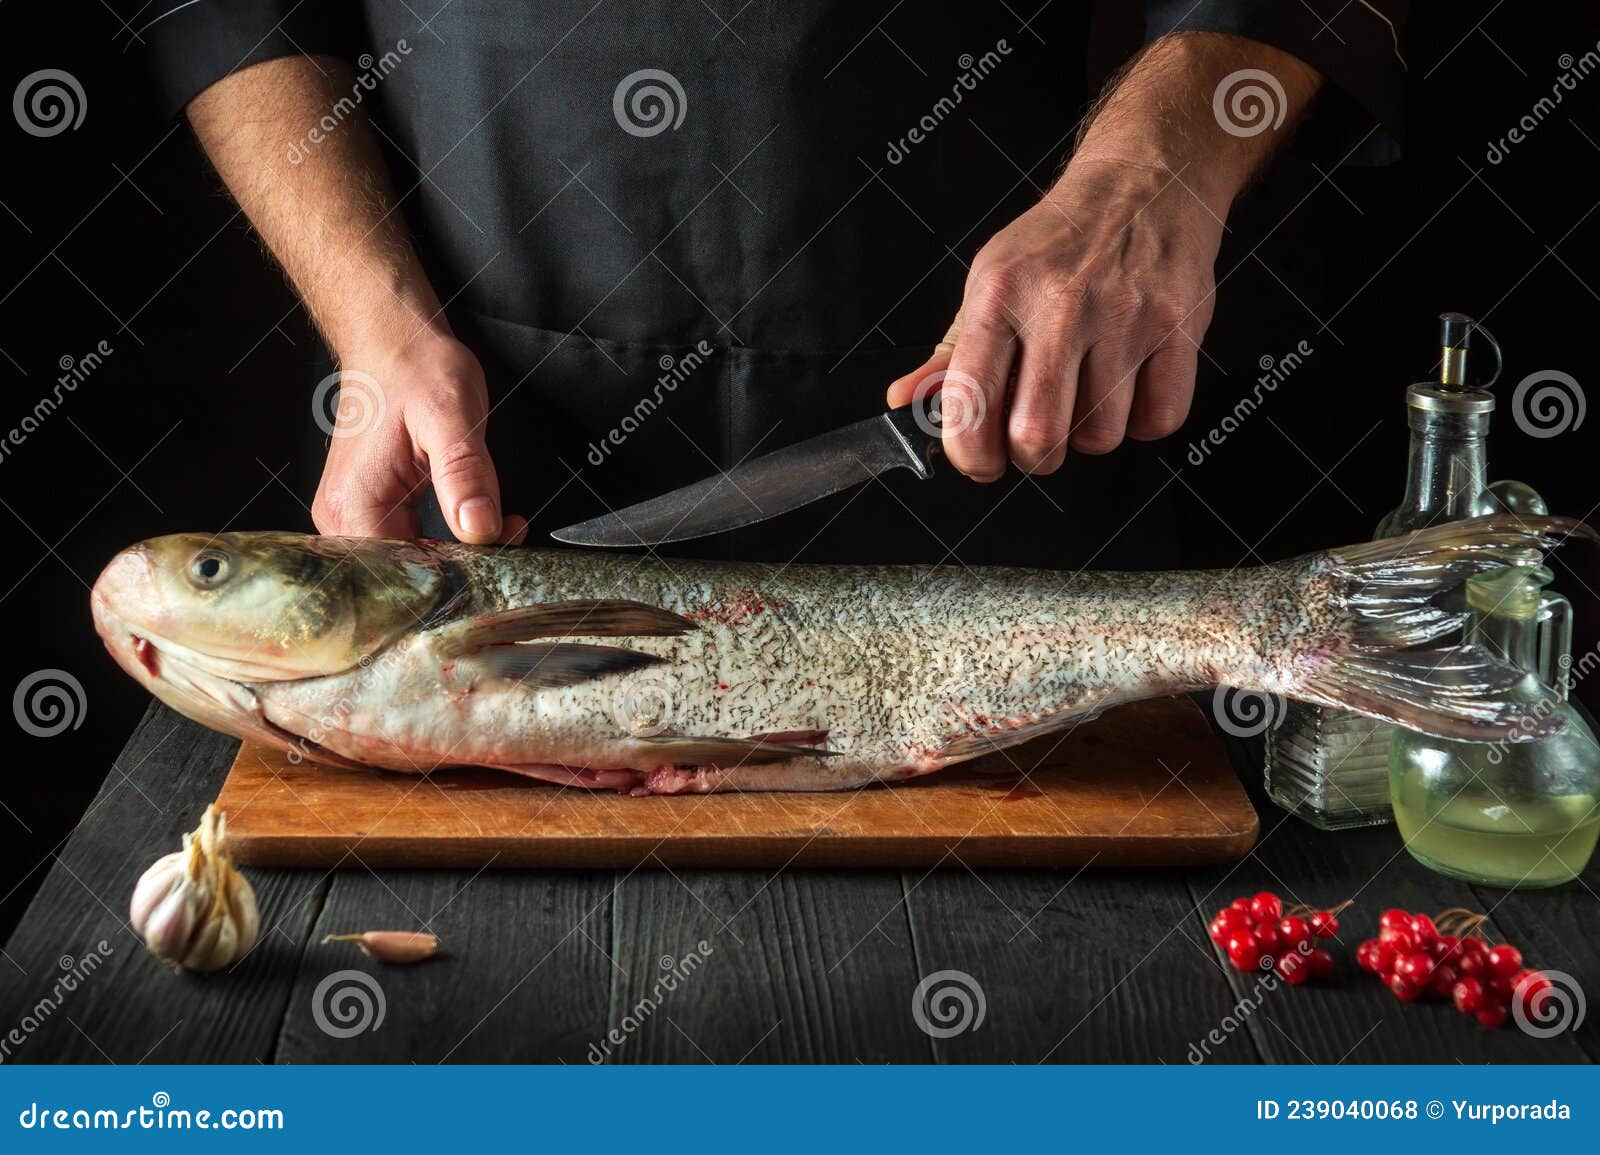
x=198, y=618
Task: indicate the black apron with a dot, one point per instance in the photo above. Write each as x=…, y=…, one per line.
x=674, y=243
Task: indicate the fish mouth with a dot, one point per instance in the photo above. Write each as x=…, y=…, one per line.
x=146, y=653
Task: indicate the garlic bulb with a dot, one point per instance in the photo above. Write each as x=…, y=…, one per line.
x=192, y=907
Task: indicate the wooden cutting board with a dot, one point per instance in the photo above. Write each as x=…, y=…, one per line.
x=1146, y=784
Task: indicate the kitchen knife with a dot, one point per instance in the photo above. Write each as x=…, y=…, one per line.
x=785, y=479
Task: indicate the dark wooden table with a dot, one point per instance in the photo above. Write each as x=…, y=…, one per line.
x=799, y=966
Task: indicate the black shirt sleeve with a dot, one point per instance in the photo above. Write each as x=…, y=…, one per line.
x=188, y=45
x=1357, y=51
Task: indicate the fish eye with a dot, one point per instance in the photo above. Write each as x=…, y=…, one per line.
x=210, y=568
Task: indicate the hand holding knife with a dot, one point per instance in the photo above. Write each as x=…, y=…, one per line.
x=905, y=438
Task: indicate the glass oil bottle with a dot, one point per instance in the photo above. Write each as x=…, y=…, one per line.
x=1330, y=767
x=1516, y=814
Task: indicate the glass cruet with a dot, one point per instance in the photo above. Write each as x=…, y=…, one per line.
x=1508, y=813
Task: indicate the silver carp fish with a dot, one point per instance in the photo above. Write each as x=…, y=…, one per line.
x=658, y=677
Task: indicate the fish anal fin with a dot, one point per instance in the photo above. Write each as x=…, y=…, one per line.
x=977, y=744
x=547, y=665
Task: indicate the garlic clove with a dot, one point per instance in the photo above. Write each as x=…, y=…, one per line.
x=392, y=946
x=154, y=885
x=171, y=923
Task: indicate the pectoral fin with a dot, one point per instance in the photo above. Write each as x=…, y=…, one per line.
x=546, y=665
x=587, y=617
x=727, y=753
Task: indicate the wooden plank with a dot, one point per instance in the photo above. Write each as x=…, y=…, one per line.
x=1089, y=966
x=793, y=967
x=1145, y=784
x=131, y=1008
x=523, y=975
x=1355, y=1018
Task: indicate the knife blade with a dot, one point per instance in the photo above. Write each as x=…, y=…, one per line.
x=780, y=481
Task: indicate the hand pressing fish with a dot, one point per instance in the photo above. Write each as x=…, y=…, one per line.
x=661, y=677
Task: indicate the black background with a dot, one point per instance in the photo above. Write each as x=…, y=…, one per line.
x=117, y=232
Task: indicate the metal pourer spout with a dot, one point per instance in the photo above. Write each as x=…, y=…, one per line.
x=1455, y=337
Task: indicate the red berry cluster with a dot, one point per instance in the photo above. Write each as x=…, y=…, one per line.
x=1421, y=958
x=1257, y=933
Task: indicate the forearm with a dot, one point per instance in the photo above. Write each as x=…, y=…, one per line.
x=325, y=208
x=1161, y=112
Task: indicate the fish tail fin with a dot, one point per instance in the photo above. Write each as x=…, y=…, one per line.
x=1392, y=596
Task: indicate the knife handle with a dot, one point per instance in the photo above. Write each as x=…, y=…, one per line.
x=919, y=426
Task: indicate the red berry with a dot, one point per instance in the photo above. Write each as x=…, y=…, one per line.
x=1367, y=955
x=1268, y=939
x=1473, y=962
x=1294, y=932
x=1492, y=1014
x=1226, y=922
x=1422, y=926
x=1293, y=969
x=1404, y=990
x=1403, y=941
x=1416, y=968
x=1242, y=905
x=1376, y=956
x=1266, y=907
x=1321, y=964
x=1394, y=919
x=1500, y=987
x=1474, y=944
x=1324, y=924
x=1505, y=959
x=1447, y=946
x=1443, y=983
x=1468, y=995
x=1242, y=950
x=1530, y=989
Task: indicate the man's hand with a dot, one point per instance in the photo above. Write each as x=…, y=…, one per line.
x=1082, y=320
x=321, y=200
x=425, y=424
